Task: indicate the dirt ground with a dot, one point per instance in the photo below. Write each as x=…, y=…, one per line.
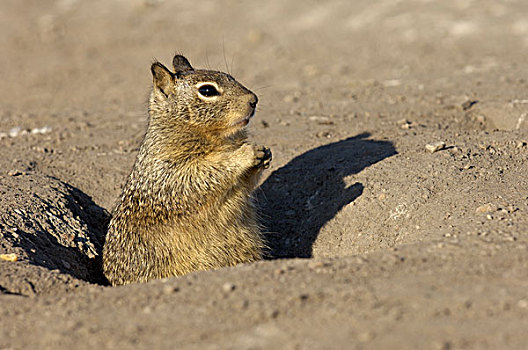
x=379, y=239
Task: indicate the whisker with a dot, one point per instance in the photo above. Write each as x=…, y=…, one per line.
x=223, y=52
x=262, y=87
x=207, y=64
x=233, y=64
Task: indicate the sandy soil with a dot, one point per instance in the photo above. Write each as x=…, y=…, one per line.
x=377, y=242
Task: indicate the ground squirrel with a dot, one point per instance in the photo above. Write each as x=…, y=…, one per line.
x=187, y=204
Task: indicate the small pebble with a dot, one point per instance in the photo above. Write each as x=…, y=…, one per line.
x=392, y=83
x=228, y=287
x=317, y=264
x=290, y=98
x=404, y=123
x=487, y=208
x=242, y=304
x=468, y=104
x=274, y=313
x=170, y=289
x=14, y=132
x=322, y=120
x=279, y=271
x=9, y=257
x=325, y=134
x=435, y=147
x=42, y=131
x=18, y=131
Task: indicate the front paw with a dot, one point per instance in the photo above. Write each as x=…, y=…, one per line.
x=262, y=157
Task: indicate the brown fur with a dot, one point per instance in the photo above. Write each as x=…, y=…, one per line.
x=186, y=205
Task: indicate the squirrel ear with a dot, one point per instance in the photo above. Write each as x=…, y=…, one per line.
x=181, y=64
x=163, y=78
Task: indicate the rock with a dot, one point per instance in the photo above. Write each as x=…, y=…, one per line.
x=321, y=120
x=523, y=304
x=42, y=131
x=435, y=147
x=486, y=208
x=468, y=104
x=170, y=289
x=228, y=287
x=14, y=132
x=14, y=173
x=274, y=313
x=405, y=124
x=9, y=257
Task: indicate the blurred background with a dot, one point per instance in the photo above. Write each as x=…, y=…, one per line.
x=95, y=55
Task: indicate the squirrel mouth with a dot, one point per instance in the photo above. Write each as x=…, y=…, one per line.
x=245, y=121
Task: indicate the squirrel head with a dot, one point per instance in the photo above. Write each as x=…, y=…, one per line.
x=201, y=98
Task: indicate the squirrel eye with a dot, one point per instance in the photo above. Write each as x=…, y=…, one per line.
x=208, y=91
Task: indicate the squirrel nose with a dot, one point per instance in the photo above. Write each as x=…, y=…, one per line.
x=253, y=102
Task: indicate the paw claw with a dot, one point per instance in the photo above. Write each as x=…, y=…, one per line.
x=262, y=157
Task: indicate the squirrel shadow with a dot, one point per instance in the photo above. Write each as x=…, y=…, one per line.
x=296, y=200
